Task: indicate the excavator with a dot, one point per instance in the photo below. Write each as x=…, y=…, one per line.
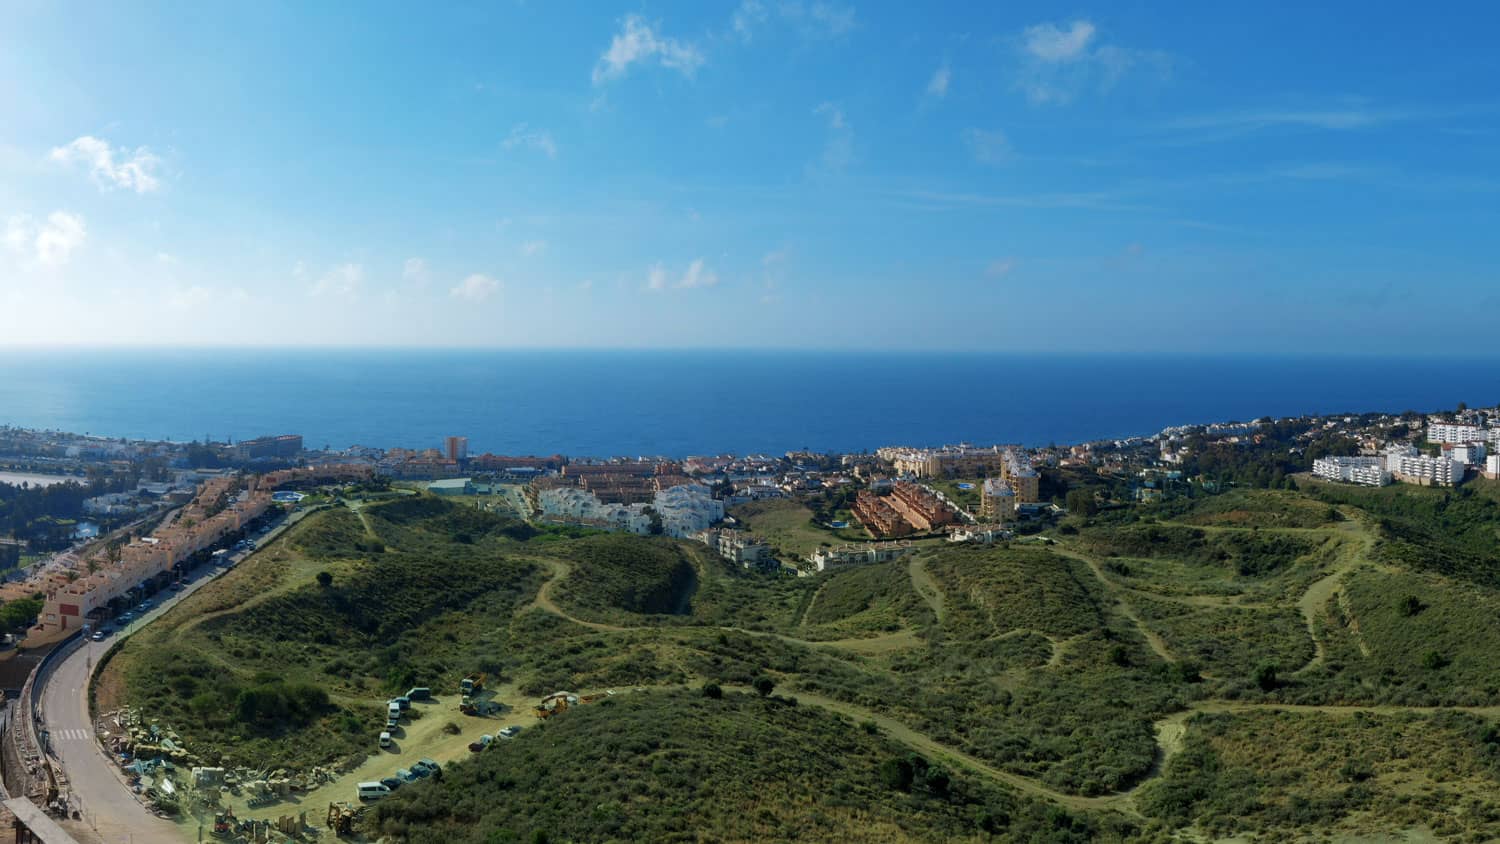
x=341, y=818
x=224, y=823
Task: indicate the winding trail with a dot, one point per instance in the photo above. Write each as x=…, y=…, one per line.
x=1156, y=642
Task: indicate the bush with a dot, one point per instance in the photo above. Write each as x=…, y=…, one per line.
x=712, y=690
x=764, y=686
x=1265, y=676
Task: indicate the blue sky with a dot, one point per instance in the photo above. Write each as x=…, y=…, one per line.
x=1019, y=176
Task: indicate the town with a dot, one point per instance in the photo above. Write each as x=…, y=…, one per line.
x=99, y=531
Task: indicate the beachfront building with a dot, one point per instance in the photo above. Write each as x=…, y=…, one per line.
x=1370, y=471
x=284, y=447
x=1429, y=471
x=1445, y=433
x=950, y=461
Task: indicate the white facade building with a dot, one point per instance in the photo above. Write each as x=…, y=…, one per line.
x=1492, y=467
x=1444, y=433
x=1394, y=453
x=1470, y=454
x=1429, y=471
x=1371, y=471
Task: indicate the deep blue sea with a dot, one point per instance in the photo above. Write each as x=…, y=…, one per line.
x=676, y=403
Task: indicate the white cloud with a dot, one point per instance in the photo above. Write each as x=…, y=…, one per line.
x=540, y=140
x=47, y=244
x=476, y=288
x=833, y=113
x=344, y=281
x=749, y=15
x=656, y=277
x=1000, y=268
x=532, y=248
x=1048, y=43
x=937, y=86
x=988, y=146
x=1059, y=63
x=836, y=19
x=638, y=41
x=696, y=275
x=416, y=272
x=838, y=149
x=110, y=168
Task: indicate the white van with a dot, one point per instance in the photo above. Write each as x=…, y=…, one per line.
x=385, y=739
x=393, y=710
x=373, y=790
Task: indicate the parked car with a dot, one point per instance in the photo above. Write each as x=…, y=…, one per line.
x=419, y=770
x=511, y=732
x=419, y=693
x=385, y=739
x=481, y=743
x=392, y=783
x=98, y=636
x=405, y=775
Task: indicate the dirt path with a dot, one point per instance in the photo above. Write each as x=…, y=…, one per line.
x=922, y=580
x=1314, y=601
x=958, y=758
x=884, y=643
x=1157, y=643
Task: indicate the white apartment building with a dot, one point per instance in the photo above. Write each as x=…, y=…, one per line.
x=1469, y=454
x=1492, y=467
x=1429, y=471
x=1370, y=471
x=1394, y=453
x=1445, y=433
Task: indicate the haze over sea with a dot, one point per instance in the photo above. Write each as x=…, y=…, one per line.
x=676, y=403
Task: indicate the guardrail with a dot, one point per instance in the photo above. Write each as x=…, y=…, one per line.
x=35, y=777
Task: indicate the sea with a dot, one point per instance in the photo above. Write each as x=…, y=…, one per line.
x=695, y=402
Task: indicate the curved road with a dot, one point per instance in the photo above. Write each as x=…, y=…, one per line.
x=108, y=805
x=97, y=787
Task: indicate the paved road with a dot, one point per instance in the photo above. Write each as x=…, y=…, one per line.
x=108, y=805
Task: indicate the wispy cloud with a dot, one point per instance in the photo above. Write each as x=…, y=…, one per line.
x=1000, y=267
x=1346, y=117
x=344, y=281
x=110, y=168
x=522, y=135
x=637, y=42
x=532, y=248
x=48, y=243
x=1085, y=200
x=937, y=86
x=988, y=146
x=749, y=16
x=696, y=275
x=476, y=288
x=838, y=149
x=415, y=272
x=1058, y=63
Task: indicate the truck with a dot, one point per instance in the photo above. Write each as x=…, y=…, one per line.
x=471, y=684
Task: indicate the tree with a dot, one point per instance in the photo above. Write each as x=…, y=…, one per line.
x=1080, y=502
x=325, y=579
x=1410, y=605
x=764, y=686
x=1265, y=676
x=712, y=690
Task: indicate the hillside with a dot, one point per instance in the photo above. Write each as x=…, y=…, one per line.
x=676, y=766
x=1126, y=670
